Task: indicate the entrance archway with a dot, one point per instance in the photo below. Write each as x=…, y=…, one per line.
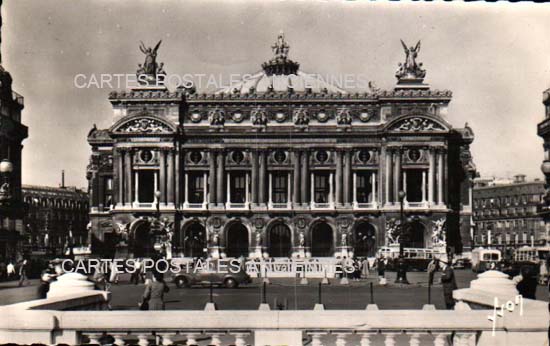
x=365, y=240
x=415, y=235
x=193, y=240
x=236, y=243
x=143, y=241
x=279, y=240
x=322, y=240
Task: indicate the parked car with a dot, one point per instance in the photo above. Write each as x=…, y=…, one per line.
x=222, y=276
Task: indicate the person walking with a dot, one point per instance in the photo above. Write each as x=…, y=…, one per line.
x=448, y=281
x=136, y=274
x=10, y=270
x=365, y=268
x=153, y=297
x=23, y=273
x=527, y=282
x=433, y=266
x=381, y=268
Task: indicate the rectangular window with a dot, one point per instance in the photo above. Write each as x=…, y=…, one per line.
x=196, y=188
x=238, y=187
x=364, y=187
x=280, y=188
x=146, y=186
x=321, y=187
x=414, y=185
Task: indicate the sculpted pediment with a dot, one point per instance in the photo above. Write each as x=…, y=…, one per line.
x=145, y=125
x=417, y=124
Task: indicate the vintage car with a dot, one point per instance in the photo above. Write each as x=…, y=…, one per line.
x=211, y=274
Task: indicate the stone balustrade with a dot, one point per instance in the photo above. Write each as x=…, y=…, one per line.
x=48, y=321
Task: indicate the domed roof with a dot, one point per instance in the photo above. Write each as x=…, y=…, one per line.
x=280, y=74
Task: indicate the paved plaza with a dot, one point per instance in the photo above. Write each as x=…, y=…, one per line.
x=286, y=292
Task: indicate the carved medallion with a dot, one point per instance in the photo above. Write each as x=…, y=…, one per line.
x=418, y=125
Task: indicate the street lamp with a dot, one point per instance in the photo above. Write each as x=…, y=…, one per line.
x=401, y=264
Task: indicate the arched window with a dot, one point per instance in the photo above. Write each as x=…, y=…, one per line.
x=279, y=241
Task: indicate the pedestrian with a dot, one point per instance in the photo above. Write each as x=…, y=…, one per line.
x=381, y=268
x=136, y=274
x=23, y=273
x=10, y=269
x=527, y=282
x=44, y=286
x=365, y=268
x=448, y=281
x=153, y=297
x=433, y=266
x=113, y=276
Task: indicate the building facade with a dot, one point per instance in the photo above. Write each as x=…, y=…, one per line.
x=12, y=134
x=280, y=164
x=543, y=130
x=506, y=213
x=56, y=219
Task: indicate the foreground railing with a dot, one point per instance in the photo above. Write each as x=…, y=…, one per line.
x=60, y=319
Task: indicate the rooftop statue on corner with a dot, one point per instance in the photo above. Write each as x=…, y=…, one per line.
x=410, y=70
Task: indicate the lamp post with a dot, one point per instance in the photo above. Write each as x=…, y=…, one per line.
x=401, y=264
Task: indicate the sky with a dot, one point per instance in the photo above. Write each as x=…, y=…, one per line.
x=494, y=57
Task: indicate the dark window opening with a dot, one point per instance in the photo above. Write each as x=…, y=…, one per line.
x=279, y=241
x=321, y=241
x=280, y=186
x=146, y=186
x=321, y=187
x=364, y=187
x=237, y=241
x=414, y=185
x=238, y=187
x=196, y=188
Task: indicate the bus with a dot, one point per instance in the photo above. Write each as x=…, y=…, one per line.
x=485, y=259
x=416, y=258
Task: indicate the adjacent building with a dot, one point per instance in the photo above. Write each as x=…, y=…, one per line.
x=56, y=219
x=12, y=134
x=280, y=164
x=543, y=130
x=506, y=213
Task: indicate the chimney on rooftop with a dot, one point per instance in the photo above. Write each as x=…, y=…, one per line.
x=62, y=178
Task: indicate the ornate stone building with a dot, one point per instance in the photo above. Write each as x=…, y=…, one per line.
x=56, y=219
x=543, y=130
x=279, y=164
x=506, y=214
x=12, y=134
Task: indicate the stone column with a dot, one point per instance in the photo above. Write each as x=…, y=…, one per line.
x=220, y=178
x=387, y=174
x=136, y=188
x=101, y=192
x=423, y=186
x=305, y=178
x=263, y=177
x=339, y=178
x=396, y=175
x=119, y=160
x=431, y=180
x=178, y=176
x=347, y=178
x=162, y=176
x=440, y=177
x=254, y=182
x=296, y=177
x=212, y=189
x=128, y=178
x=170, y=178
x=374, y=187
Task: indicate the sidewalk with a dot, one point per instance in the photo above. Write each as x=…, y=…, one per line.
x=15, y=283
